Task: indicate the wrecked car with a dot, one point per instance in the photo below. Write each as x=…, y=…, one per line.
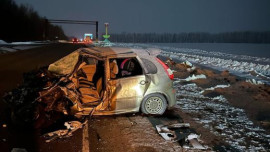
x=105, y=81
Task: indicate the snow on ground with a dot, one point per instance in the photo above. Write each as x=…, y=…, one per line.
x=15, y=46
x=2, y=42
x=223, y=64
x=194, y=77
x=6, y=49
x=217, y=86
x=222, y=119
x=28, y=43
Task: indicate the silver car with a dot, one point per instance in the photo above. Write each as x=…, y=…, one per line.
x=110, y=80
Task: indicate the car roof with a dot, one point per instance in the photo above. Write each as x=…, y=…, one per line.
x=66, y=64
x=120, y=52
x=109, y=51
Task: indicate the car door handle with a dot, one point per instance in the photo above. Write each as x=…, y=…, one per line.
x=143, y=82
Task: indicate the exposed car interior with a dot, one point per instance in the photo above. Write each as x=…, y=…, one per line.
x=90, y=80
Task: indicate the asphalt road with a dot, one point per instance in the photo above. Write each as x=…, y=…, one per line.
x=12, y=67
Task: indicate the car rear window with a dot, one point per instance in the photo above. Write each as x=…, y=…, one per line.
x=150, y=66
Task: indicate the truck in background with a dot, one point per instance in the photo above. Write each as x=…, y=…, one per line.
x=88, y=38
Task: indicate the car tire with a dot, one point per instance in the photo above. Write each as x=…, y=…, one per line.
x=154, y=104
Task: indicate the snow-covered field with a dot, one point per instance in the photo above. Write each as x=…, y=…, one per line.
x=241, y=65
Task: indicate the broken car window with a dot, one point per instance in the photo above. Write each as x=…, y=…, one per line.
x=127, y=67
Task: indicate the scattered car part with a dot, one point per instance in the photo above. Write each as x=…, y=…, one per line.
x=166, y=131
x=71, y=126
x=193, y=140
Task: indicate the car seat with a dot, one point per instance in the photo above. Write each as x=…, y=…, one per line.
x=113, y=69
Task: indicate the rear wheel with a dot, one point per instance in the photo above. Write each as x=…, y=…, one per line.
x=154, y=104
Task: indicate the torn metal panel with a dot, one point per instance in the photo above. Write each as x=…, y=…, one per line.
x=166, y=133
x=179, y=125
x=65, y=65
x=193, y=140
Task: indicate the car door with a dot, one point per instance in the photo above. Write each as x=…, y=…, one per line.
x=127, y=92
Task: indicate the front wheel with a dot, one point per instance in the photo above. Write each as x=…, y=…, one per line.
x=154, y=104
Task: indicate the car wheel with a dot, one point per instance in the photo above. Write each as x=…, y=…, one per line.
x=154, y=104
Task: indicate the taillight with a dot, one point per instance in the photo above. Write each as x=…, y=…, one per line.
x=167, y=69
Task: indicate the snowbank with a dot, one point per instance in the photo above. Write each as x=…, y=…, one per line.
x=28, y=43
x=2, y=42
x=15, y=46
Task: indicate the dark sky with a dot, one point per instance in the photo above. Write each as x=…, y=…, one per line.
x=159, y=16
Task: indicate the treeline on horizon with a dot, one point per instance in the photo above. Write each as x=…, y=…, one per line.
x=22, y=23
x=227, y=37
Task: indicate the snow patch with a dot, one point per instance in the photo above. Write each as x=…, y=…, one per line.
x=28, y=43
x=217, y=86
x=188, y=63
x=194, y=77
x=253, y=81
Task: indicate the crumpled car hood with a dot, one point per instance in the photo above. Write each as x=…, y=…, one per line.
x=65, y=65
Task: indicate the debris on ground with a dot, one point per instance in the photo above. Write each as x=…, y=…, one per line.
x=193, y=139
x=71, y=126
x=168, y=132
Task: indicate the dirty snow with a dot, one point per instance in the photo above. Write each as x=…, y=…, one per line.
x=222, y=119
x=222, y=64
x=2, y=42
x=16, y=46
